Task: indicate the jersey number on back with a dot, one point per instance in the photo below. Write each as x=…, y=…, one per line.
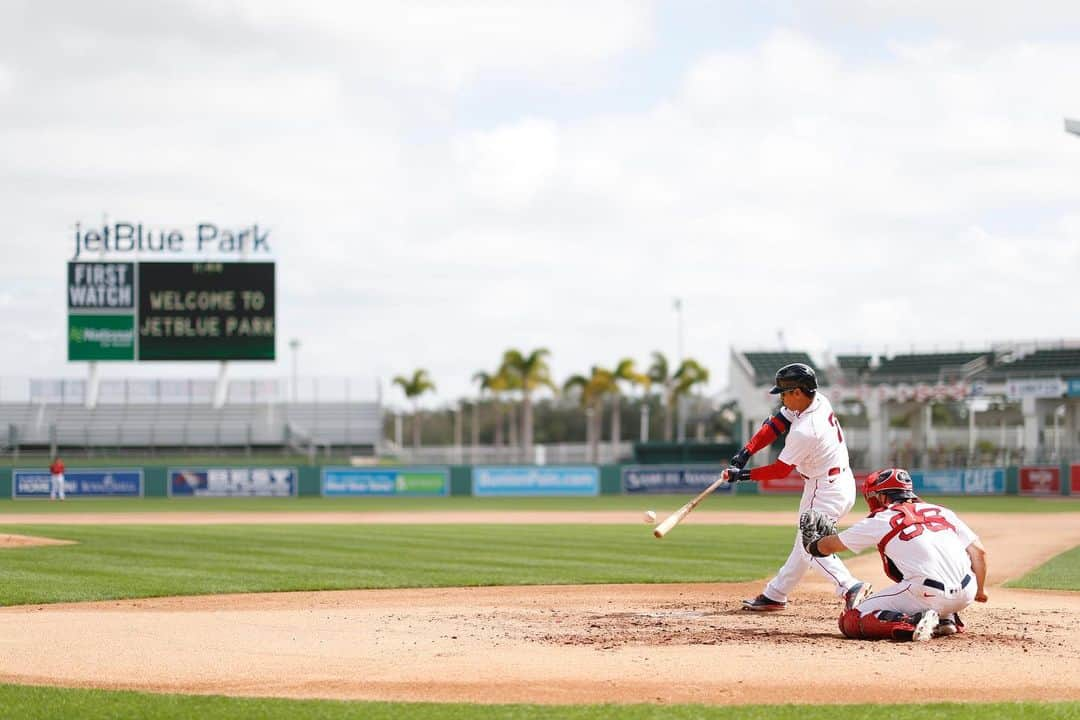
x=913, y=521
x=836, y=424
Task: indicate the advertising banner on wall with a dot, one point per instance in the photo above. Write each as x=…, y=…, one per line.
x=233, y=482
x=1036, y=388
x=659, y=479
x=960, y=481
x=1074, y=480
x=1040, y=480
x=401, y=482
x=94, y=482
x=526, y=481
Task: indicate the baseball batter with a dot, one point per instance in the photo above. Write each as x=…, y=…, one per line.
x=937, y=562
x=815, y=448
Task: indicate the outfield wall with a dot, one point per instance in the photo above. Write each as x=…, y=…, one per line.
x=224, y=480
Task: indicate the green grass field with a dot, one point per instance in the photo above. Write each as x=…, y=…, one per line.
x=118, y=561
x=44, y=703
x=112, y=562
x=629, y=503
x=1059, y=573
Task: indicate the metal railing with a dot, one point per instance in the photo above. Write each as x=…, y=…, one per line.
x=550, y=454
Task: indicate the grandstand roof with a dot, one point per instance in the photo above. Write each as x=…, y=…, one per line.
x=1064, y=362
x=765, y=365
x=854, y=366
x=925, y=367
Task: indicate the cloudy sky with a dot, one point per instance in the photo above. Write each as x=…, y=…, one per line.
x=445, y=180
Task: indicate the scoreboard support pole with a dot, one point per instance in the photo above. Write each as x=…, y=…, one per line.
x=221, y=389
x=93, y=382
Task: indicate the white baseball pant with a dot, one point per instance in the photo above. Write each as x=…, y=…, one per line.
x=833, y=496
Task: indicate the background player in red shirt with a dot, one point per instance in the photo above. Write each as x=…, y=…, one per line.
x=56, y=487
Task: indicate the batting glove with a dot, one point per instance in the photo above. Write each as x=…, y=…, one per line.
x=740, y=459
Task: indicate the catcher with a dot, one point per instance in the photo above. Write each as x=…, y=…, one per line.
x=937, y=562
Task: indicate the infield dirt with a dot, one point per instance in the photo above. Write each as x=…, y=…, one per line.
x=560, y=644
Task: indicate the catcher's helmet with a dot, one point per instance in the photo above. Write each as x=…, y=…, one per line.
x=885, y=487
x=795, y=375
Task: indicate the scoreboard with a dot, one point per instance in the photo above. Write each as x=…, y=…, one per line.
x=171, y=311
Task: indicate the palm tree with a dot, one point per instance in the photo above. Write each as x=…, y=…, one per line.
x=625, y=372
x=659, y=373
x=494, y=383
x=414, y=387
x=509, y=382
x=592, y=389
x=529, y=372
x=689, y=374
x=675, y=385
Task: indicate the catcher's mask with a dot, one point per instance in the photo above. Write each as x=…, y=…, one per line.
x=885, y=487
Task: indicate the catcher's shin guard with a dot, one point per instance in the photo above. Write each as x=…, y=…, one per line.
x=877, y=625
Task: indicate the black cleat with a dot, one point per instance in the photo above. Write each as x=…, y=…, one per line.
x=763, y=603
x=945, y=628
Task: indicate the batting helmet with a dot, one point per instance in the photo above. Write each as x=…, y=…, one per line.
x=885, y=487
x=795, y=375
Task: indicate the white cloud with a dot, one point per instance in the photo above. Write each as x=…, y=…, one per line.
x=924, y=195
x=509, y=165
x=445, y=45
x=7, y=81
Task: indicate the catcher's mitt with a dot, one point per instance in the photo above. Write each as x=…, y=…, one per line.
x=814, y=526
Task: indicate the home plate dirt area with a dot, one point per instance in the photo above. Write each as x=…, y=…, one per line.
x=563, y=644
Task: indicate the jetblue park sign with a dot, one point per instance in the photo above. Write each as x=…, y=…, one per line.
x=132, y=295
x=136, y=237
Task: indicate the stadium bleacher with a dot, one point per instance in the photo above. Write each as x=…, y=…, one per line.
x=765, y=365
x=1041, y=363
x=190, y=425
x=854, y=368
x=929, y=367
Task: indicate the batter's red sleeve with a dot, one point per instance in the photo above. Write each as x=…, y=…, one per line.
x=775, y=471
x=771, y=429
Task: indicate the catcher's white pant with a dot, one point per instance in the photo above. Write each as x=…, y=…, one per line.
x=911, y=597
x=833, y=496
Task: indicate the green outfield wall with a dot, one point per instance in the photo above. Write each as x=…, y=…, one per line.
x=522, y=480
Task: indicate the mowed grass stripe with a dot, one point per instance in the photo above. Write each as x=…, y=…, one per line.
x=112, y=562
x=61, y=703
x=632, y=505
x=1059, y=573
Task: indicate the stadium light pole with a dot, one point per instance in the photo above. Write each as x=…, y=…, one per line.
x=679, y=331
x=680, y=409
x=294, y=345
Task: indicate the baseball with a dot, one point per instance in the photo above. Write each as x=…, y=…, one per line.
x=650, y=517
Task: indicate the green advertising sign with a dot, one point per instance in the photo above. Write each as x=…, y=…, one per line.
x=101, y=337
x=421, y=483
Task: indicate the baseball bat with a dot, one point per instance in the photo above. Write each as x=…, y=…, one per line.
x=677, y=517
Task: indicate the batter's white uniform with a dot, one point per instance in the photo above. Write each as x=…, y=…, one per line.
x=815, y=446
x=929, y=551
